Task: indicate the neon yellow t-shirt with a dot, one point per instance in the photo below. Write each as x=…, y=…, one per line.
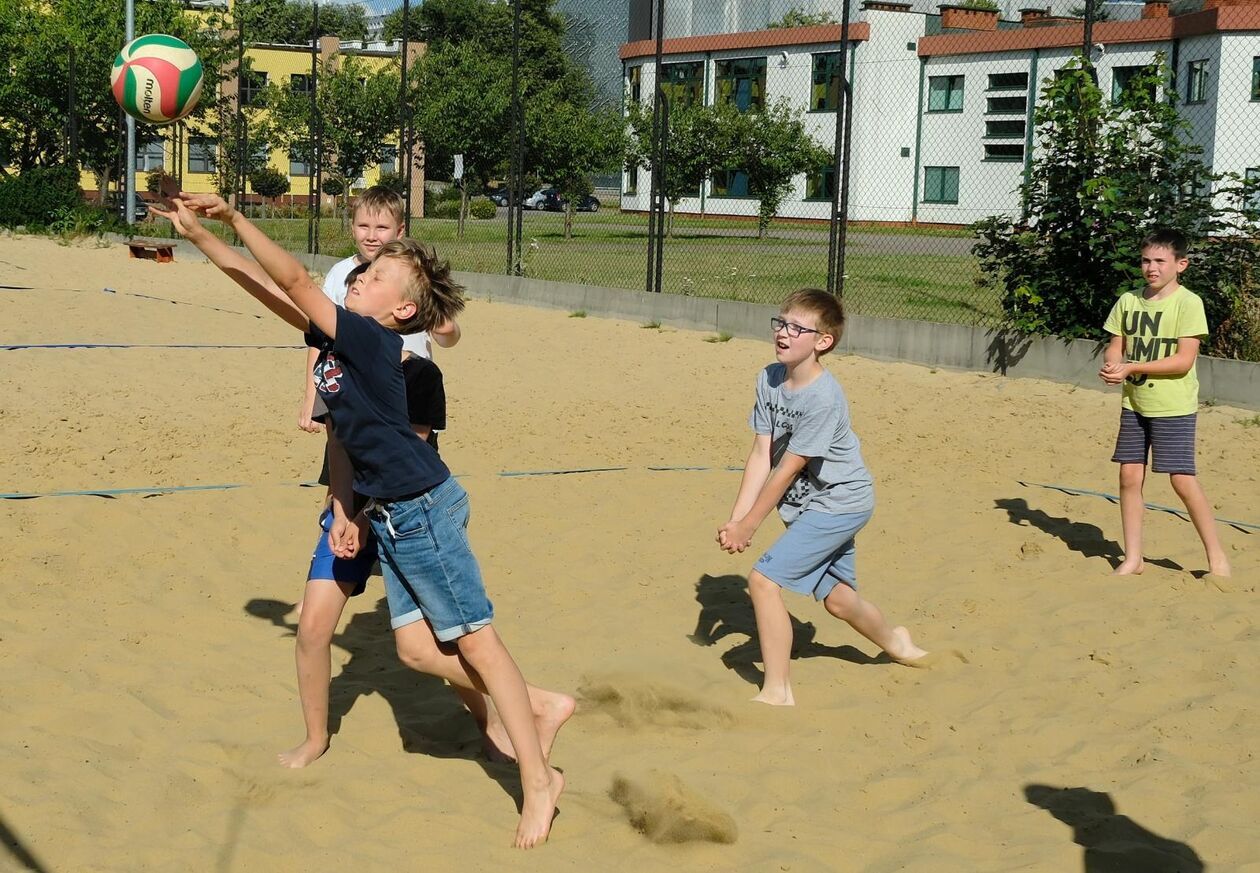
x=1151, y=329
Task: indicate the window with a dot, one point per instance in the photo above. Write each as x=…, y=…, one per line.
x=1255, y=78
x=389, y=159
x=1008, y=105
x=940, y=184
x=259, y=154
x=1004, y=129
x=945, y=94
x=632, y=180
x=824, y=92
x=820, y=184
x=742, y=83
x=635, y=77
x=1197, y=75
x=1123, y=86
x=149, y=156
x=300, y=83
x=730, y=183
x=202, y=152
x=252, y=85
x=683, y=84
x=1252, y=178
x=299, y=164
x=1004, y=152
x=1008, y=81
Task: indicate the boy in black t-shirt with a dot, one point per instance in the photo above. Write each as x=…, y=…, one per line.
x=418, y=512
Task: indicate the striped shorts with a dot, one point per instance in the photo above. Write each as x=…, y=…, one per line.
x=1170, y=441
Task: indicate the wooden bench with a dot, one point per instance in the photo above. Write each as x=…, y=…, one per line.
x=160, y=250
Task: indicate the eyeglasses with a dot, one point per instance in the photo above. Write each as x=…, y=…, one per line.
x=793, y=329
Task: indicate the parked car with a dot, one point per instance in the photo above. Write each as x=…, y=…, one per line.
x=553, y=202
x=499, y=197
x=115, y=203
x=535, y=200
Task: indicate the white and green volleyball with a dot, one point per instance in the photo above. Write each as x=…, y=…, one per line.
x=157, y=78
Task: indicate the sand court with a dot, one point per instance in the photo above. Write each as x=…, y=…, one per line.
x=1069, y=719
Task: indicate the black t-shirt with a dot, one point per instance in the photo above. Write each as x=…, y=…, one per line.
x=359, y=376
x=426, y=403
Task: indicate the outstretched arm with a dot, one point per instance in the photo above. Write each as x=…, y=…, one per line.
x=447, y=333
x=737, y=534
x=281, y=266
x=235, y=266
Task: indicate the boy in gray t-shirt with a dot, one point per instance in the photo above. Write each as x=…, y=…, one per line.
x=807, y=460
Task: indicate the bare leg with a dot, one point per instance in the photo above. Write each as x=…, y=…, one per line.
x=321, y=609
x=865, y=618
x=1191, y=493
x=540, y=782
x=420, y=650
x=774, y=629
x=1132, y=477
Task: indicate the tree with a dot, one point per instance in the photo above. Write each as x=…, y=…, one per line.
x=772, y=147
x=1104, y=174
x=461, y=97
x=358, y=114
x=797, y=18
x=692, y=150
x=289, y=21
x=570, y=142
x=269, y=182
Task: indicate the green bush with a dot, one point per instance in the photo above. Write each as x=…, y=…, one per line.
x=394, y=182
x=39, y=196
x=449, y=193
x=482, y=208
x=86, y=219
x=445, y=209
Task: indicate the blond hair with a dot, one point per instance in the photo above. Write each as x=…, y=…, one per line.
x=826, y=308
x=378, y=198
x=437, y=296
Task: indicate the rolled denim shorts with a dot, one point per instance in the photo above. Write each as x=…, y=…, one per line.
x=817, y=552
x=430, y=571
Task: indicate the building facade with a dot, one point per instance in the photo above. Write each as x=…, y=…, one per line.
x=942, y=127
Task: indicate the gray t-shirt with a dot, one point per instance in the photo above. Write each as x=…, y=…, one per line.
x=813, y=423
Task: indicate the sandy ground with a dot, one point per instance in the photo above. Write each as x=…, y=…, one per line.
x=148, y=677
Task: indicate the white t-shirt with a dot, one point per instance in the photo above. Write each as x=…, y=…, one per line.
x=335, y=290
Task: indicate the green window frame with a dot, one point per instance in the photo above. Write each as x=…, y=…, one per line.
x=683, y=83
x=820, y=184
x=1255, y=79
x=632, y=179
x=1008, y=81
x=1122, y=82
x=731, y=182
x=1197, y=81
x=634, y=76
x=1004, y=152
x=940, y=184
x=826, y=82
x=741, y=82
x=945, y=94
x=1012, y=129
x=1007, y=105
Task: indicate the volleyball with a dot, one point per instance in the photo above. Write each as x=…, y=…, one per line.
x=157, y=78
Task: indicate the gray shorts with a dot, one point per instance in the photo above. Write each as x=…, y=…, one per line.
x=1169, y=440
x=815, y=553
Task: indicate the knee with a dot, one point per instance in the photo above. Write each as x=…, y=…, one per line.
x=1132, y=475
x=311, y=636
x=1183, y=483
x=416, y=654
x=842, y=602
x=761, y=588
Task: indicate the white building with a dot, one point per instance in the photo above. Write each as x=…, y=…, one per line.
x=942, y=128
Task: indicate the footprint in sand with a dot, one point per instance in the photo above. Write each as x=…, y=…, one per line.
x=664, y=810
x=634, y=703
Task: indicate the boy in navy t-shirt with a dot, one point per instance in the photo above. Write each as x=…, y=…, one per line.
x=418, y=512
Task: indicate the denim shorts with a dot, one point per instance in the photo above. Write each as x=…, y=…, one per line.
x=352, y=571
x=430, y=571
x=815, y=553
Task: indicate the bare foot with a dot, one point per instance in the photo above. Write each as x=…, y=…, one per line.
x=299, y=756
x=537, y=812
x=551, y=711
x=775, y=697
x=1129, y=567
x=903, y=650
x=1219, y=566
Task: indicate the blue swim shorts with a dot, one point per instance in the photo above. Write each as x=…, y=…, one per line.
x=429, y=569
x=352, y=571
x=816, y=552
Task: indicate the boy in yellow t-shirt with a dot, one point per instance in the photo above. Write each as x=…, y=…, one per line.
x=1154, y=344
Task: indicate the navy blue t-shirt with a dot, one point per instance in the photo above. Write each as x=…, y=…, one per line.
x=359, y=376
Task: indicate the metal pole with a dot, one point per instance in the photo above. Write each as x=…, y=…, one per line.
x=658, y=180
x=312, y=205
x=660, y=215
x=514, y=161
x=839, y=201
x=317, y=147
x=129, y=197
x=404, y=126
x=238, y=171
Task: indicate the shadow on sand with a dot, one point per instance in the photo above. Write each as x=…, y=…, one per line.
x=22, y=856
x=1085, y=539
x=726, y=608
x=1113, y=843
